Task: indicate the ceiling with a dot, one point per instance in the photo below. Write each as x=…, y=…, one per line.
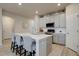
x=28, y=9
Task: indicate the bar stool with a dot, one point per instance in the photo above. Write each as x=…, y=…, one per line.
x=29, y=43
x=21, y=50
x=14, y=45
x=33, y=48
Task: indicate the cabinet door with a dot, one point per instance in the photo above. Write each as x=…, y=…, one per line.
x=42, y=22
x=62, y=20
x=61, y=38
x=55, y=38
x=47, y=19
x=72, y=37
x=56, y=18
x=52, y=19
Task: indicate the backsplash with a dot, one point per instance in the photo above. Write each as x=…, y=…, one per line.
x=57, y=30
x=60, y=30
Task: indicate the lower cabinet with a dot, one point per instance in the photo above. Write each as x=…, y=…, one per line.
x=59, y=38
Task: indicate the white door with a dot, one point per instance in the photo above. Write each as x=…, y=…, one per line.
x=72, y=32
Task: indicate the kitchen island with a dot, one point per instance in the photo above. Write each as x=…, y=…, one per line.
x=43, y=42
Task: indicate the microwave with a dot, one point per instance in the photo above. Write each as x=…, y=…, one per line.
x=50, y=25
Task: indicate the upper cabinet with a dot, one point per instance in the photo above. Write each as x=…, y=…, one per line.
x=59, y=20
x=62, y=20
x=42, y=22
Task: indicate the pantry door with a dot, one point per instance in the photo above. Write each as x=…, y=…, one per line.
x=72, y=35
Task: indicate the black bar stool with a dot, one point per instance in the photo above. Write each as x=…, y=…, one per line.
x=14, y=45
x=21, y=50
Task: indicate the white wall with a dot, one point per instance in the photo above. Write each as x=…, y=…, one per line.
x=13, y=23
x=29, y=25
x=0, y=27
x=32, y=25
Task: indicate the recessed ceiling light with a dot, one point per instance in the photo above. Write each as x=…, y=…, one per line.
x=36, y=12
x=58, y=4
x=19, y=3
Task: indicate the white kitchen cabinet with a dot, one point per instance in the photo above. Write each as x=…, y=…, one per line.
x=62, y=38
x=72, y=28
x=51, y=19
x=62, y=20
x=57, y=20
x=72, y=37
x=55, y=38
x=59, y=38
x=45, y=20
x=42, y=22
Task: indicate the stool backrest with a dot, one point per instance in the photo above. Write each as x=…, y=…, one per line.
x=21, y=40
x=28, y=43
x=34, y=45
x=18, y=40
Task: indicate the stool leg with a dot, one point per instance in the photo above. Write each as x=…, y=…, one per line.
x=16, y=49
x=20, y=50
x=30, y=54
x=24, y=52
x=11, y=45
x=13, y=48
x=34, y=53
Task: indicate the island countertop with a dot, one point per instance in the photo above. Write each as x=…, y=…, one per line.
x=34, y=36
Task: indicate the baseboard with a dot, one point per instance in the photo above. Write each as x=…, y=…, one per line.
x=73, y=50
x=58, y=44
x=7, y=38
x=77, y=53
